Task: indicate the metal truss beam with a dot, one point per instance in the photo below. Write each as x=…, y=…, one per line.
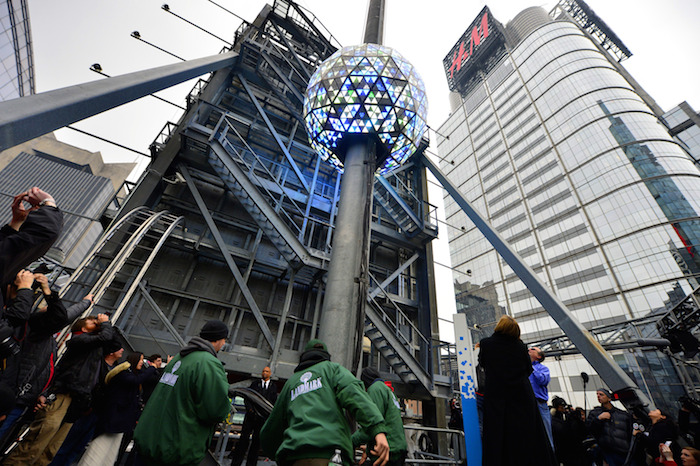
x=282, y=76
x=272, y=130
x=304, y=72
x=382, y=286
x=227, y=256
x=31, y=116
x=594, y=353
x=151, y=302
x=283, y=319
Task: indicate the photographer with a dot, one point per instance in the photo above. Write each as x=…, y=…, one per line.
x=30, y=233
x=76, y=376
x=30, y=371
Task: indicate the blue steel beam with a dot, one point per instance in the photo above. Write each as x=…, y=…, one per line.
x=29, y=117
x=595, y=354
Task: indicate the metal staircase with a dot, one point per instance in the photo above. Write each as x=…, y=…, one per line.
x=114, y=267
x=397, y=339
x=396, y=207
x=260, y=190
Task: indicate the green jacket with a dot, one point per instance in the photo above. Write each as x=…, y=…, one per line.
x=187, y=403
x=308, y=421
x=388, y=405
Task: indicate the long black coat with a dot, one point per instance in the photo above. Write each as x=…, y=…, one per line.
x=122, y=398
x=513, y=429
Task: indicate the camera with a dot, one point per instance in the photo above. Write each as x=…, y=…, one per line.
x=42, y=269
x=8, y=345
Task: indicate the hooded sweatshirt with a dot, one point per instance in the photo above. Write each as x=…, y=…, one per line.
x=187, y=403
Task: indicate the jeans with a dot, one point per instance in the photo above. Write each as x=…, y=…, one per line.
x=546, y=420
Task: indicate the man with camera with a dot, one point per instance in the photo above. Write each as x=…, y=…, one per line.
x=30, y=233
x=30, y=366
x=76, y=376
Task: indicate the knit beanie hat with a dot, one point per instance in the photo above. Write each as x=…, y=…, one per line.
x=214, y=330
x=112, y=346
x=606, y=392
x=369, y=375
x=312, y=343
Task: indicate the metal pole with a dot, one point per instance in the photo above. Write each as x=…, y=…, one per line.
x=374, y=28
x=595, y=354
x=31, y=116
x=342, y=315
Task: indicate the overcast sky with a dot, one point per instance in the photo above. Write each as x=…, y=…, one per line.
x=70, y=35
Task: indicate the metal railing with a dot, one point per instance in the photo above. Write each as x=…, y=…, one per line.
x=418, y=438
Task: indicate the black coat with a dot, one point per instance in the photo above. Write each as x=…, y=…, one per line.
x=20, y=248
x=79, y=369
x=569, y=431
x=122, y=404
x=613, y=435
x=513, y=428
x=663, y=431
x=30, y=371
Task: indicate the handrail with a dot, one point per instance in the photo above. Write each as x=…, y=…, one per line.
x=401, y=318
x=224, y=127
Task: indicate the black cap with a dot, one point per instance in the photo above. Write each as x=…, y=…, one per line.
x=558, y=401
x=214, y=330
x=112, y=346
x=369, y=375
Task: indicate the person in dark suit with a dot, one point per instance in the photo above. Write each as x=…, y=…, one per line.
x=513, y=428
x=253, y=423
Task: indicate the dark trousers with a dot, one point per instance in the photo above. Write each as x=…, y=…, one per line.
x=76, y=441
x=251, y=424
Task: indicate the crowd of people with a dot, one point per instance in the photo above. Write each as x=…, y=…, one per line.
x=87, y=406
x=520, y=427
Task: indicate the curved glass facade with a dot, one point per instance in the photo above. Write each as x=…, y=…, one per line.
x=16, y=58
x=567, y=162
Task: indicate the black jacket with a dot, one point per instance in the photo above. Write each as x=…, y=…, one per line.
x=20, y=248
x=122, y=404
x=569, y=431
x=663, y=431
x=513, y=428
x=614, y=434
x=270, y=394
x=33, y=368
x=79, y=369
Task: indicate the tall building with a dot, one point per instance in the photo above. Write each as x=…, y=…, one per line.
x=561, y=150
x=16, y=56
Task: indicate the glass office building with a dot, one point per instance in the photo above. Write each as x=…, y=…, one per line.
x=562, y=152
x=16, y=57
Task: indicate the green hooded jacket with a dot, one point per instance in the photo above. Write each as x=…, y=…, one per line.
x=388, y=406
x=187, y=403
x=308, y=421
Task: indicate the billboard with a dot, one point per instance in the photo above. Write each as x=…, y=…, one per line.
x=482, y=36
